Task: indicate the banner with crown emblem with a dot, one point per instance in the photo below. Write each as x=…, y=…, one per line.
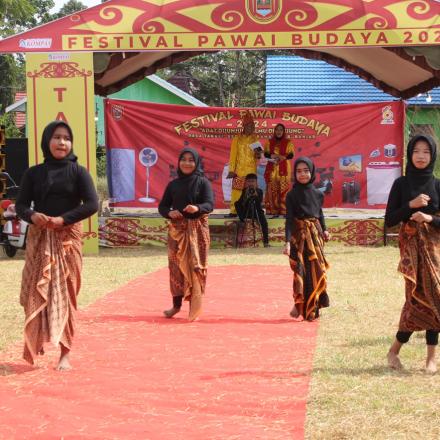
x=177, y=25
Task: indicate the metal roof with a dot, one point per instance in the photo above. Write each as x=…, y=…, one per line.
x=296, y=80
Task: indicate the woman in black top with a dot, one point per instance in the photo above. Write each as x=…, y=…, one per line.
x=187, y=201
x=54, y=197
x=414, y=201
x=305, y=236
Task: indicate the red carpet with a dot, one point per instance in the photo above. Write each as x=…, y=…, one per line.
x=241, y=372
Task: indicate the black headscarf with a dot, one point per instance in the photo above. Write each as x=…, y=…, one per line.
x=191, y=181
x=420, y=180
x=306, y=200
x=45, y=141
x=57, y=170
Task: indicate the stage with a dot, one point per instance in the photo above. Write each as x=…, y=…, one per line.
x=124, y=229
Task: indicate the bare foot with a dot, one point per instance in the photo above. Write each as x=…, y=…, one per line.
x=296, y=314
x=171, y=312
x=431, y=367
x=298, y=319
x=64, y=363
x=394, y=361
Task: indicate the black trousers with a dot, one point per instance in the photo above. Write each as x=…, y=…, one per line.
x=431, y=337
x=253, y=211
x=177, y=301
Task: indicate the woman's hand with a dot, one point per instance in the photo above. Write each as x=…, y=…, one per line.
x=175, y=214
x=286, y=249
x=275, y=158
x=326, y=235
x=231, y=175
x=420, y=217
x=191, y=209
x=40, y=220
x=55, y=222
x=420, y=201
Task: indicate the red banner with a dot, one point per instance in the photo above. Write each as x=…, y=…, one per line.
x=356, y=148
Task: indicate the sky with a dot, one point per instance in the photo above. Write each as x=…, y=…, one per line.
x=88, y=3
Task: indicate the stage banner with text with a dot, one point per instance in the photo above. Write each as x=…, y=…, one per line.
x=60, y=87
x=357, y=148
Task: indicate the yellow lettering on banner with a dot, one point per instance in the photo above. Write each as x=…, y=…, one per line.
x=249, y=40
x=70, y=98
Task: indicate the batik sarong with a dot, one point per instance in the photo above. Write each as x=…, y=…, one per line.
x=420, y=265
x=188, y=246
x=50, y=285
x=309, y=267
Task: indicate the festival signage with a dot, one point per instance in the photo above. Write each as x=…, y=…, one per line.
x=357, y=148
x=60, y=87
x=183, y=25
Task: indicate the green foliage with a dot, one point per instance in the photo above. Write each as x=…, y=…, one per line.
x=17, y=16
x=70, y=7
x=11, y=130
x=227, y=78
x=101, y=161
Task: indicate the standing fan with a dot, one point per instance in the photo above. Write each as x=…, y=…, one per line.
x=148, y=158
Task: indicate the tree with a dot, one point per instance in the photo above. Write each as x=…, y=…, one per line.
x=227, y=78
x=70, y=7
x=17, y=16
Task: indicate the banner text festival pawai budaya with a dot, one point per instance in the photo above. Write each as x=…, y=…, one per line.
x=357, y=148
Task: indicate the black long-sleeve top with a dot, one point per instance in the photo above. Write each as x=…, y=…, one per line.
x=398, y=209
x=244, y=198
x=177, y=197
x=295, y=211
x=71, y=197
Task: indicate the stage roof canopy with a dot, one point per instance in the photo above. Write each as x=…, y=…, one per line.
x=395, y=45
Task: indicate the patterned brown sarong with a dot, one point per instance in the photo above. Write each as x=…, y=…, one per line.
x=50, y=284
x=188, y=246
x=309, y=266
x=420, y=265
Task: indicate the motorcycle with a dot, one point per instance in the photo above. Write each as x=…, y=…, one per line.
x=13, y=230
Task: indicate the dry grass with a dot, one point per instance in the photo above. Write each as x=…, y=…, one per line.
x=353, y=395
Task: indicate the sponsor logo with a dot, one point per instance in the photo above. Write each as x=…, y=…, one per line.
x=264, y=11
x=59, y=57
x=387, y=116
x=117, y=112
x=36, y=43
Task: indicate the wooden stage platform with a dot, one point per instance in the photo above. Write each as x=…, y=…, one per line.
x=350, y=228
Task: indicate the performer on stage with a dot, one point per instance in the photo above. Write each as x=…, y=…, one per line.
x=305, y=236
x=243, y=159
x=187, y=201
x=63, y=194
x=279, y=151
x=414, y=200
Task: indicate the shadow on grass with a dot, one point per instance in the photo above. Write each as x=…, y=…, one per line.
x=19, y=256
x=377, y=370
x=11, y=369
x=262, y=374
x=182, y=320
x=370, y=342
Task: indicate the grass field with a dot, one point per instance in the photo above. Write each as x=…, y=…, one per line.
x=353, y=395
